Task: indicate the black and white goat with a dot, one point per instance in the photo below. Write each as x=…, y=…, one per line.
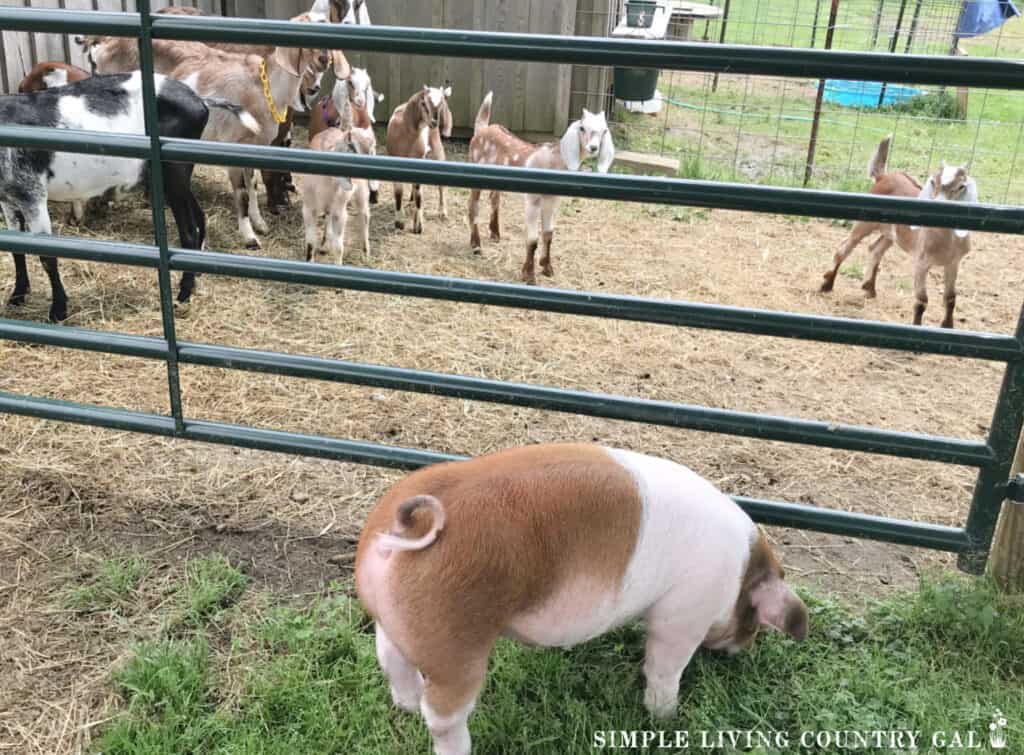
x=111, y=104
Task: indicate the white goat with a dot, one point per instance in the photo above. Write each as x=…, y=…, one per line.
x=493, y=144
x=330, y=196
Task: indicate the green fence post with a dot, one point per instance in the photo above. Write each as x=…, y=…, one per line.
x=156, y=195
x=990, y=489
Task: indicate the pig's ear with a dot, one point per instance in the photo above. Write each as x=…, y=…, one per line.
x=779, y=608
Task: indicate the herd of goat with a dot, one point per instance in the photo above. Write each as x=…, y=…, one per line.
x=248, y=94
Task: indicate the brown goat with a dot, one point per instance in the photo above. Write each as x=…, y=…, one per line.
x=929, y=247
x=415, y=130
x=235, y=77
x=51, y=74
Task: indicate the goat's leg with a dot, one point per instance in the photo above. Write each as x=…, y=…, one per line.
x=921, y=266
x=474, y=217
x=399, y=223
x=363, y=205
x=77, y=216
x=532, y=234
x=495, y=226
x=254, y=201
x=310, y=219
x=949, y=295
x=16, y=221
x=443, y=201
x=417, y=200
x=37, y=220
x=336, y=229
x=241, y=197
x=878, y=249
x=547, y=220
x=860, y=231
x=188, y=216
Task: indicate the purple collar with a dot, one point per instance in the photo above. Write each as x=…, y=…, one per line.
x=325, y=110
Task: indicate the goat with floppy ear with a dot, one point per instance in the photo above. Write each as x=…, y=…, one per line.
x=928, y=247
x=588, y=137
x=415, y=130
x=492, y=144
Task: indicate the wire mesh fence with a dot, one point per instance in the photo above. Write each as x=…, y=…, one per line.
x=775, y=131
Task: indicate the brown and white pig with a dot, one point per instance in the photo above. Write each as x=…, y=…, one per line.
x=553, y=545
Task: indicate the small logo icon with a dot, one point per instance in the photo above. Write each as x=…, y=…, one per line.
x=997, y=731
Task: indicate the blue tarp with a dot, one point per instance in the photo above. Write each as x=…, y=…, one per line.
x=982, y=16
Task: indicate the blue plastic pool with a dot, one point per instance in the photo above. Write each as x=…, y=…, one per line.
x=866, y=93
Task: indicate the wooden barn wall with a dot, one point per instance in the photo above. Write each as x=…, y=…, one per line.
x=533, y=98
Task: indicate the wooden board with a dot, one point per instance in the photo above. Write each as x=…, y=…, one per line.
x=528, y=97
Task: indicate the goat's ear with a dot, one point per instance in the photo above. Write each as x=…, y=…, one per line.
x=363, y=15
x=340, y=64
x=570, y=146
x=372, y=100
x=448, y=91
x=971, y=196
x=970, y=191
x=586, y=113
x=928, y=190
x=287, y=58
x=446, y=119
x=607, y=153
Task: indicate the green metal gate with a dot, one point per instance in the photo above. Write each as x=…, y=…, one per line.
x=992, y=457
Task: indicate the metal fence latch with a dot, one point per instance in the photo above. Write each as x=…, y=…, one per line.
x=1015, y=489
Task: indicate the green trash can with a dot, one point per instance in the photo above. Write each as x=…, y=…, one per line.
x=637, y=84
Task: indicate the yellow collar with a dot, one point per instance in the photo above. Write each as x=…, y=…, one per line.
x=277, y=116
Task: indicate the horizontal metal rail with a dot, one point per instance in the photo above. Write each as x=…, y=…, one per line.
x=541, y=48
x=868, y=333
x=75, y=248
x=619, y=187
x=664, y=413
x=865, y=333
x=778, y=513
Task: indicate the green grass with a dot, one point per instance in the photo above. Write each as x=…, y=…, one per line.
x=211, y=585
x=305, y=680
x=111, y=586
x=756, y=130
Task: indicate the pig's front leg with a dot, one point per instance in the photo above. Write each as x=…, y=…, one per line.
x=670, y=645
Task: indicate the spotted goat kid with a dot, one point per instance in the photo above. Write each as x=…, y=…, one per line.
x=493, y=144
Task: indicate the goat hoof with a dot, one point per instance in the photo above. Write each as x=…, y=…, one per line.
x=400, y=225
x=529, y=279
x=58, y=313
x=495, y=236
x=17, y=298
x=826, y=287
x=547, y=271
x=417, y=229
x=373, y=197
x=869, y=293
x=252, y=244
x=477, y=250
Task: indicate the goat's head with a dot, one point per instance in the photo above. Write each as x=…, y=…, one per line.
x=432, y=107
x=588, y=137
x=88, y=44
x=359, y=91
x=951, y=183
